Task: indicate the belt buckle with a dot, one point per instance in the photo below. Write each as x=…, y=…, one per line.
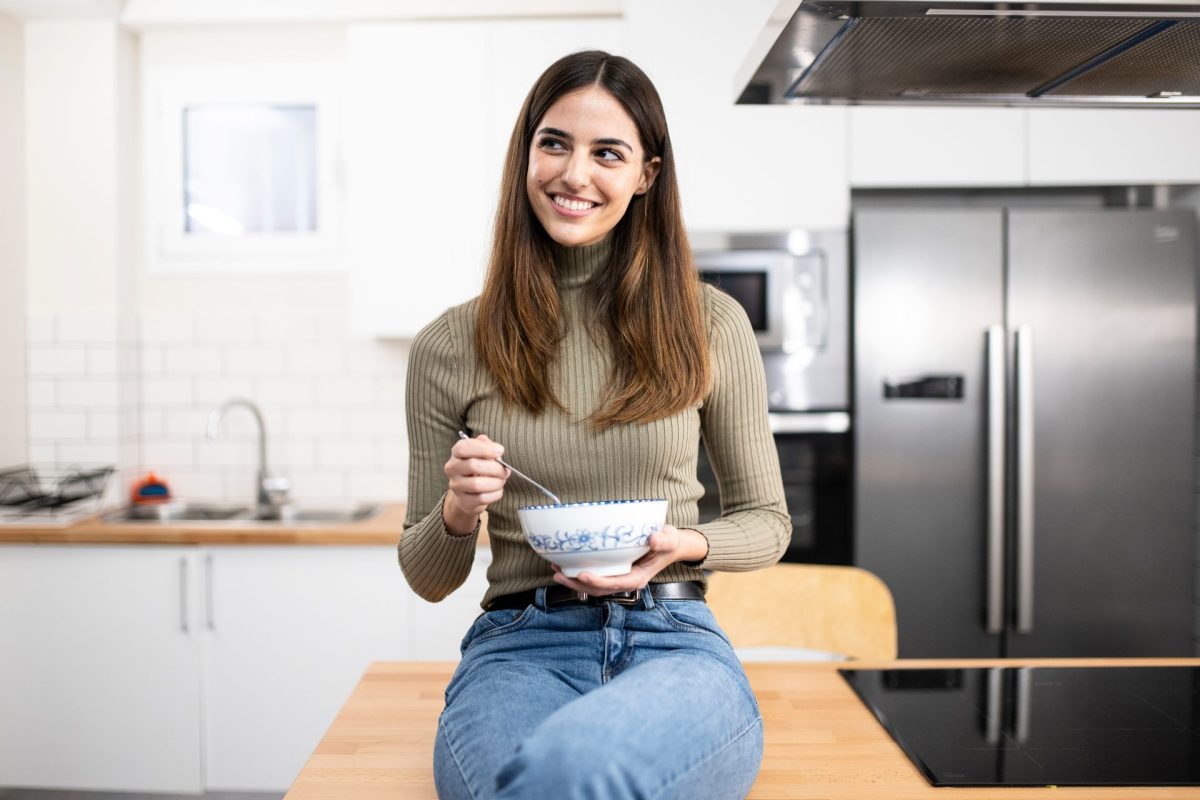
x=624, y=598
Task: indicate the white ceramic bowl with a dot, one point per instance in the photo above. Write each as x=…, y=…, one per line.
x=603, y=538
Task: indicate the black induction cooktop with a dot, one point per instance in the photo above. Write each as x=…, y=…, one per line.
x=1042, y=726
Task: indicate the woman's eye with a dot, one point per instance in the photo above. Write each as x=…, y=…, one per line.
x=608, y=154
x=550, y=144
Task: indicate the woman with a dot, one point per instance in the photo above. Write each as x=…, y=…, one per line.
x=598, y=358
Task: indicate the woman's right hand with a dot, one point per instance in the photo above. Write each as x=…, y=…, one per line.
x=476, y=481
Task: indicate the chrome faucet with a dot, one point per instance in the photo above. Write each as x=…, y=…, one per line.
x=271, y=493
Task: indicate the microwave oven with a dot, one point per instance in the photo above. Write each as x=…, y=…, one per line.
x=794, y=290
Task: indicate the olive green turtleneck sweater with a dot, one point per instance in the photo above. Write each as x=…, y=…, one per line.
x=448, y=391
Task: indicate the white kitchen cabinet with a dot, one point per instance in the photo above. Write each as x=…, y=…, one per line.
x=100, y=668
x=741, y=168
x=429, y=110
x=183, y=668
x=1074, y=147
x=902, y=146
x=437, y=629
x=288, y=632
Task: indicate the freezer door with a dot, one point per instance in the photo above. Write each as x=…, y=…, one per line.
x=928, y=284
x=1105, y=303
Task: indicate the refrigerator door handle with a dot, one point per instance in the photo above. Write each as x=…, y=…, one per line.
x=995, y=479
x=1025, y=529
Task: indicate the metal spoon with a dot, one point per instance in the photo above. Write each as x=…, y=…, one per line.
x=516, y=471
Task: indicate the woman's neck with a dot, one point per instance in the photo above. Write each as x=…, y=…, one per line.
x=575, y=265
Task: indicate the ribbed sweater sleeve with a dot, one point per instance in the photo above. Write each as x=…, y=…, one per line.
x=434, y=562
x=754, y=527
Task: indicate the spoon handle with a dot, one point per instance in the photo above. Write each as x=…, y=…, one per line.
x=516, y=471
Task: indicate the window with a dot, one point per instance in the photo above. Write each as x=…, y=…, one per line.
x=243, y=170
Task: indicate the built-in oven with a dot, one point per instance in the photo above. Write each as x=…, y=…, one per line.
x=815, y=464
x=794, y=288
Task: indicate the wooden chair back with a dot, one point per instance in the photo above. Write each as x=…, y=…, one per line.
x=843, y=610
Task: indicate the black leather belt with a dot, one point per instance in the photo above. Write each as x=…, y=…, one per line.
x=558, y=595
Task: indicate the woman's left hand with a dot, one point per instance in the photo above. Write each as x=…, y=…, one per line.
x=667, y=546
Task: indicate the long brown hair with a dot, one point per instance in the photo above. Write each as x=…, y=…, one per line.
x=646, y=299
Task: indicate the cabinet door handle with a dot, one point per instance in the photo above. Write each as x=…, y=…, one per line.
x=1025, y=485
x=995, y=479
x=183, y=595
x=208, y=592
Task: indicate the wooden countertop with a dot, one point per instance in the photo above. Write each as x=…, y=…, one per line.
x=382, y=529
x=821, y=741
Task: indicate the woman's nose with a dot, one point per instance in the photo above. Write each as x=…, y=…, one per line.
x=577, y=173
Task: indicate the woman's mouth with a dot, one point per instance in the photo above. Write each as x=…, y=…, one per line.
x=569, y=207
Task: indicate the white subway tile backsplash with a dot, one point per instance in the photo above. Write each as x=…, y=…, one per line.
x=287, y=328
x=222, y=453
x=314, y=422
x=390, y=391
x=215, y=328
x=151, y=357
x=192, y=360
x=391, y=452
x=313, y=486
x=138, y=393
x=192, y=484
x=86, y=329
x=102, y=361
x=92, y=393
x=321, y=359
x=345, y=453
x=58, y=425
x=285, y=454
x=167, y=391
x=39, y=330
x=41, y=392
x=186, y=423
x=152, y=424
x=346, y=391
x=166, y=454
x=51, y=361
x=103, y=425
x=42, y=453
x=378, y=486
x=170, y=329
x=287, y=390
x=376, y=422
x=376, y=358
x=87, y=453
x=212, y=390
x=333, y=327
x=261, y=359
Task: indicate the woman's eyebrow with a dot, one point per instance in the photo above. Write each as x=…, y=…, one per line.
x=564, y=135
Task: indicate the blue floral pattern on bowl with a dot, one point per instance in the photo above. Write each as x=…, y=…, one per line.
x=582, y=540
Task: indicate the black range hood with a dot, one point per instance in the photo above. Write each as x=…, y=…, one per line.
x=990, y=53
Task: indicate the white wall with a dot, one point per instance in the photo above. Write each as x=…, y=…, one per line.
x=80, y=86
x=333, y=404
x=12, y=242
x=298, y=293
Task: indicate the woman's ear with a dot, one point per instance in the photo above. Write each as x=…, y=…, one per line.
x=649, y=172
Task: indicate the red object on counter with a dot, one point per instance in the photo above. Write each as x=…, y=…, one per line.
x=149, y=489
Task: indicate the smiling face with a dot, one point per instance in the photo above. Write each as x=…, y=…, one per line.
x=586, y=163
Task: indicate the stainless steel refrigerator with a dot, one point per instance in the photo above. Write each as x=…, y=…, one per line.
x=1024, y=412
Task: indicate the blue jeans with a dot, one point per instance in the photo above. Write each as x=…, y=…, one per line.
x=602, y=702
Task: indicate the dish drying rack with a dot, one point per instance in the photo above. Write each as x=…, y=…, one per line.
x=53, y=494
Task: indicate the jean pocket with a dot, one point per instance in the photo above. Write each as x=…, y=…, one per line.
x=690, y=615
x=490, y=624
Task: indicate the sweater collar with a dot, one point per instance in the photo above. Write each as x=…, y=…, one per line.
x=575, y=265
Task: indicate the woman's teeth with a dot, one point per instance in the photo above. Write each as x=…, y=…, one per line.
x=572, y=205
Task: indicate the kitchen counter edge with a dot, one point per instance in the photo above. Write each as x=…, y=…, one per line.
x=382, y=529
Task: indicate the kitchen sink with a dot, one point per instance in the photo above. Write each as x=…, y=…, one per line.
x=236, y=516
